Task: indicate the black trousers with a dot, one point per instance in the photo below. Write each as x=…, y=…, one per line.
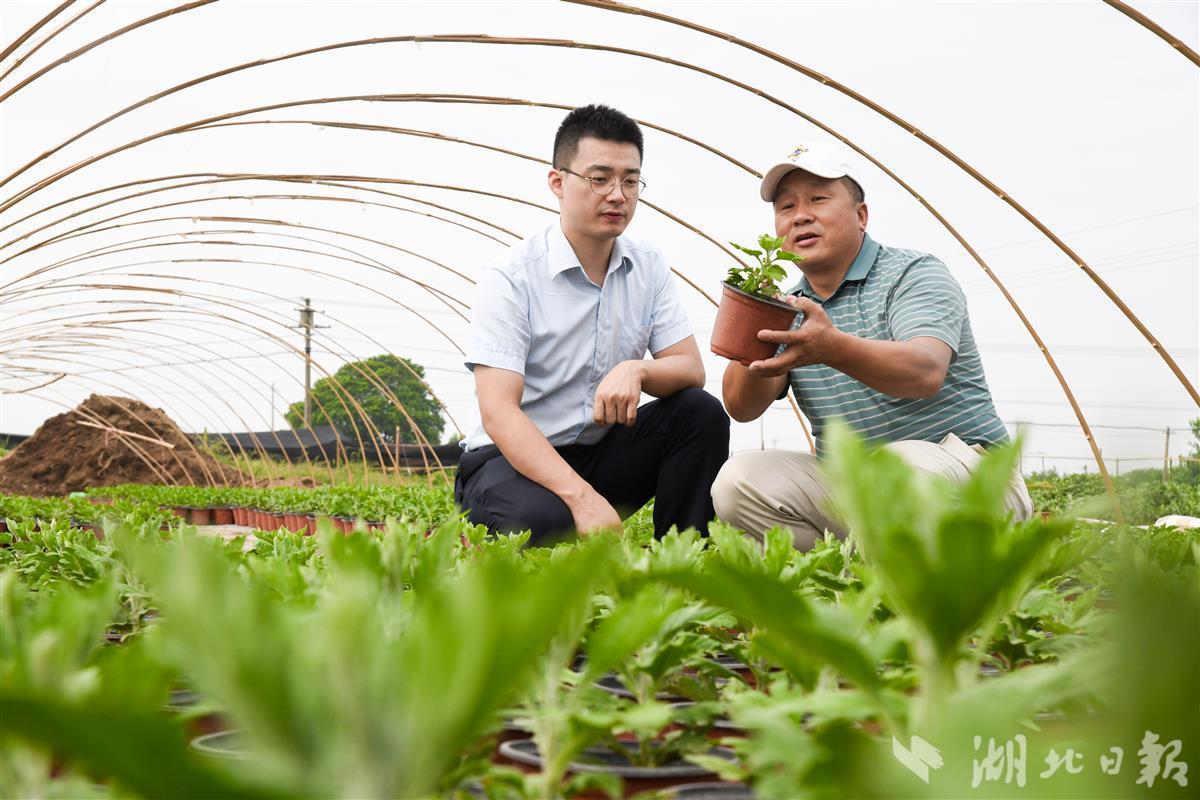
x=672, y=453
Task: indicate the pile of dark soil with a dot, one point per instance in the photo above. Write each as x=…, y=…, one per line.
x=106, y=441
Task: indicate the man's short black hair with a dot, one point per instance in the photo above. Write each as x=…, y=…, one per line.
x=856, y=192
x=599, y=122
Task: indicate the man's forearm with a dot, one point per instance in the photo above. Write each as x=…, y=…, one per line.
x=531, y=454
x=898, y=369
x=746, y=395
x=665, y=376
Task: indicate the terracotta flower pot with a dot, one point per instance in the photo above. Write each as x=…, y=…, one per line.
x=310, y=522
x=222, y=516
x=739, y=319
x=198, y=516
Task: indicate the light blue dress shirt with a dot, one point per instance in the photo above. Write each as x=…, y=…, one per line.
x=537, y=313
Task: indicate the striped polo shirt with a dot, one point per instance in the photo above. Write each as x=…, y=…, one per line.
x=891, y=294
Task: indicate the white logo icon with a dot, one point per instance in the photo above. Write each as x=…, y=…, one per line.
x=918, y=758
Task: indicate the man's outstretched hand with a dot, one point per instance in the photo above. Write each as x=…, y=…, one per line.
x=814, y=342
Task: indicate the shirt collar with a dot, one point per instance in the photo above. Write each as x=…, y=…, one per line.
x=560, y=256
x=859, y=268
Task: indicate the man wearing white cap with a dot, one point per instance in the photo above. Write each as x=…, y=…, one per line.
x=885, y=344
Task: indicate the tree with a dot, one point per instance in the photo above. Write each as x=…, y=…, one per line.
x=362, y=380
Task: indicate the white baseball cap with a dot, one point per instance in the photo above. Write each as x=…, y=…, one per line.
x=823, y=159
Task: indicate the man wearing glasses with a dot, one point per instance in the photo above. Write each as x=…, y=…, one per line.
x=559, y=332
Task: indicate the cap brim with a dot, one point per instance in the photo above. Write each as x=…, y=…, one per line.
x=775, y=174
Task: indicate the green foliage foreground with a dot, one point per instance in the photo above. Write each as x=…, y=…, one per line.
x=383, y=664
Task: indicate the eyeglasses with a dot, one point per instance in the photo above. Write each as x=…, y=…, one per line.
x=632, y=186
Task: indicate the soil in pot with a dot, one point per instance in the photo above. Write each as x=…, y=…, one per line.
x=603, y=759
x=739, y=319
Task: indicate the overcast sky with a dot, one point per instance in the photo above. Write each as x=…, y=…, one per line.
x=1088, y=120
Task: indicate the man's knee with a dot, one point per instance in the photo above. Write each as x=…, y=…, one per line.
x=729, y=489
x=696, y=401
x=700, y=410
x=548, y=520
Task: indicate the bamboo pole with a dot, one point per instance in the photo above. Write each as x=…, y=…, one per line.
x=1156, y=29
x=37, y=26
x=368, y=373
x=18, y=62
x=610, y=5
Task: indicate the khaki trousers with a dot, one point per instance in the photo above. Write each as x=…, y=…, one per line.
x=764, y=489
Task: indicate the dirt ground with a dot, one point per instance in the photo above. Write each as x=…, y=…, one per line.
x=106, y=441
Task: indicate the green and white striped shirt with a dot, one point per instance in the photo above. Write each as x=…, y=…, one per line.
x=890, y=294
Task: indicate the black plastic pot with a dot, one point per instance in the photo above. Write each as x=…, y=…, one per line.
x=612, y=683
x=199, y=716
x=709, y=791
x=636, y=779
x=720, y=726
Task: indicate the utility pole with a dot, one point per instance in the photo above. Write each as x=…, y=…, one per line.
x=1167, y=458
x=306, y=324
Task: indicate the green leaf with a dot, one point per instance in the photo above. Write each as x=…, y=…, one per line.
x=147, y=753
x=747, y=250
x=769, y=242
x=791, y=622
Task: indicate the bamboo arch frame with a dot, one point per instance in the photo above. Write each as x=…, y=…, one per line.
x=479, y=39
x=169, y=308
x=37, y=26
x=105, y=251
x=140, y=452
x=58, y=284
x=210, y=179
x=208, y=123
x=150, y=390
x=1083, y=422
x=201, y=124
x=369, y=374
x=261, y=453
x=942, y=150
x=22, y=59
x=483, y=39
x=366, y=260
x=1156, y=29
